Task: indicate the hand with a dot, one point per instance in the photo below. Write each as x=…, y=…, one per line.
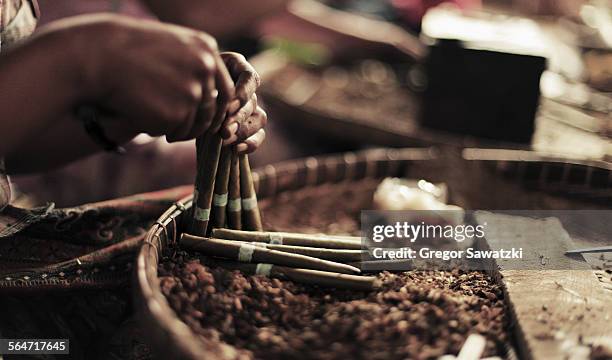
x=246, y=119
x=157, y=78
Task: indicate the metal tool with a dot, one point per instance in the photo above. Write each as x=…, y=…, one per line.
x=601, y=249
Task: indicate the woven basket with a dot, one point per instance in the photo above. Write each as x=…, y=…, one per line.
x=473, y=185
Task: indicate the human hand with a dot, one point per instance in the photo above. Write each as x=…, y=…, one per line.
x=246, y=119
x=158, y=79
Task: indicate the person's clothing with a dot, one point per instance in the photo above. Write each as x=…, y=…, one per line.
x=17, y=21
x=68, y=276
x=5, y=190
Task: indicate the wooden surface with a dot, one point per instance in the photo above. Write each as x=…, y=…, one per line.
x=559, y=306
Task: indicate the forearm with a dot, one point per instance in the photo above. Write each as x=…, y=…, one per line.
x=220, y=18
x=37, y=86
x=61, y=142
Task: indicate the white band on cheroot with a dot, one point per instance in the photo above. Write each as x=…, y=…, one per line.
x=220, y=199
x=263, y=269
x=275, y=238
x=245, y=254
x=234, y=205
x=201, y=214
x=249, y=203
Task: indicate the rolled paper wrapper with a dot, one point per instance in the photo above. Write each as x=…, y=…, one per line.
x=338, y=255
x=284, y=238
x=208, y=149
x=245, y=252
x=250, y=253
x=249, y=204
x=234, y=203
x=473, y=347
x=220, y=196
x=250, y=210
x=306, y=276
x=345, y=237
x=263, y=269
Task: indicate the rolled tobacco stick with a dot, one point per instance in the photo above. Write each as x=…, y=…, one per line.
x=250, y=253
x=220, y=196
x=339, y=255
x=208, y=150
x=250, y=210
x=343, y=237
x=283, y=238
x=375, y=266
x=234, y=206
x=306, y=276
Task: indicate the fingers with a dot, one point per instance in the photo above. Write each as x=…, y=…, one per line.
x=246, y=78
x=201, y=102
x=216, y=90
x=215, y=76
x=245, y=125
x=234, y=122
x=247, y=84
x=204, y=114
x=255, y=122
x=218, y=97
x=225, y=86
x=252, y=143
x=207, y=107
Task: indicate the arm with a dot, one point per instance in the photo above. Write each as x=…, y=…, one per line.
x=37, y=84
x=153, y=78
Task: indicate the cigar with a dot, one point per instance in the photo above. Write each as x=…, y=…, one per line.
x=208, y=149
x=306, y=276
x=343, y=237
x=234, y=206
x=284, y=238
x=375, y=266
x=220, y=196
x=338, y=255
x=324, y=236
x=250, y=253
x=250, y=210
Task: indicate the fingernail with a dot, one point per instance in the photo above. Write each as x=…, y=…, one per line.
x=242, y=147
x=233, y=128
x=230, y=140
x=234, y=106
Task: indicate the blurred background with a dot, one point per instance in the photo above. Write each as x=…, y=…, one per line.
x=344, y=75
